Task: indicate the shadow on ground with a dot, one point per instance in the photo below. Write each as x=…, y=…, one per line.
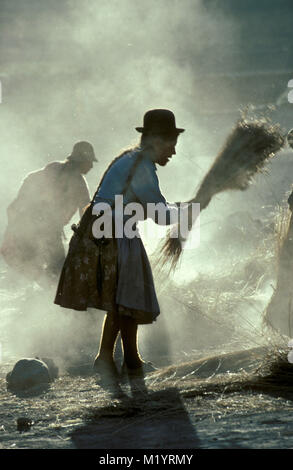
x=154, y=420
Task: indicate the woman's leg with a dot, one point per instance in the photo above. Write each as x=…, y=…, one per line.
x=128, y=328
x=108, y=339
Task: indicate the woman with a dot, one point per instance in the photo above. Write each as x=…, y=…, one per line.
x=114, y=274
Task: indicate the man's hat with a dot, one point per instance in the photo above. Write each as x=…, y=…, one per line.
x=159, y=121
x=81, y=151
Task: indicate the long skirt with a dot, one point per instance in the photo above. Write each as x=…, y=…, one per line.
x=114, y=275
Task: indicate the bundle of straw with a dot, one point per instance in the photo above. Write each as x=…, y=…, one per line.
x=246, y=151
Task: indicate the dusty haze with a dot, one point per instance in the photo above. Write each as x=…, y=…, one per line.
x=88, y=70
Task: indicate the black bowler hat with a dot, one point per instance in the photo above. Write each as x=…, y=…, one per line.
x=159, y=121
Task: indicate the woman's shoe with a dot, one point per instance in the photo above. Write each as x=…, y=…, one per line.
x=145, y=368
x=107, y=371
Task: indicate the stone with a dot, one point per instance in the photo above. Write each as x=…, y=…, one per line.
x=24, y=424
x=53, y=369
x=28, y=373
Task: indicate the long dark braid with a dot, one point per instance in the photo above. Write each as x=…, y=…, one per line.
x=110, y=166
x=144, y=144
x=87, y=215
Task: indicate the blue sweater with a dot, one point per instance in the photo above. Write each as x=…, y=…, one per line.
x=143, y=188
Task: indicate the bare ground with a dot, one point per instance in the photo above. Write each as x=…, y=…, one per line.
x=240, y=399
x=200, y=404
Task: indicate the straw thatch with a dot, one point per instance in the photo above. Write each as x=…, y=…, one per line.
x=279, y=312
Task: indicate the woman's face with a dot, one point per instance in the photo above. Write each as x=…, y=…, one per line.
x=164, y=149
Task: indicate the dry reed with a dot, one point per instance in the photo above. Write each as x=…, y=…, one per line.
x=251, y=144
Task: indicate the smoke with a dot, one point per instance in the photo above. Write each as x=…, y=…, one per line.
x=89, y=70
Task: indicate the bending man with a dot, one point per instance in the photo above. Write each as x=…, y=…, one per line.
x=46, y=201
